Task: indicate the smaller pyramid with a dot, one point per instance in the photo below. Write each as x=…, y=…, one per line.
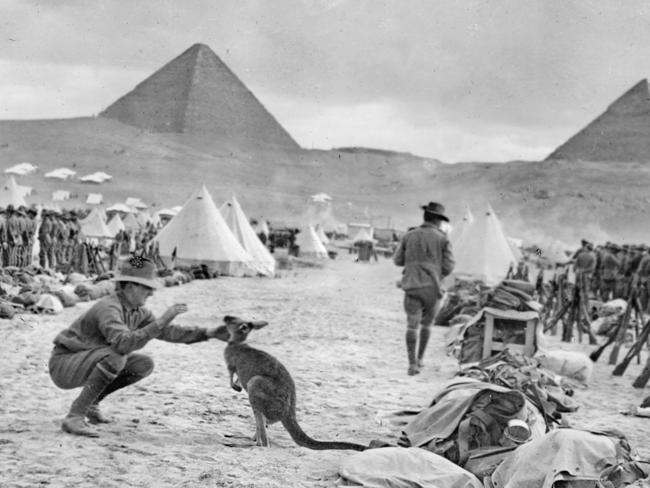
x=621, y=133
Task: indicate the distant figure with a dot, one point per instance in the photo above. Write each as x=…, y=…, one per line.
x=425, y=252
x=522, y=271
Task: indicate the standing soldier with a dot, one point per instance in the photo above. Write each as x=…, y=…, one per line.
x=76, y=246
x=425, y=252
x=609, y=269
x=13, y=235
x=584, y=266
x=643, y=272
x=4, y=249
x=45, y=239
x=31, y=234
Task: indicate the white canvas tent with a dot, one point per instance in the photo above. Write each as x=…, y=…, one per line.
x=21, y=169
x=515, y=245
x=198, y=234
x=321, y=234
x=135, y=203
x=461, y=227
x=119, y=207
x=310, y=245
x=94, y=199
x=363, y=235
x=11, y=193
x=94, y=226
x=97, y=178
x=115, y=225
x=354, y=227
x=60, y=174
x=262, y=227
x=484, y=252
x=60, y=195
x=130, y=222
x=262, y=260
x=142, y=218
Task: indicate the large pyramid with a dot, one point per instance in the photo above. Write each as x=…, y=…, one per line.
x=197, y=94
x=621, y=133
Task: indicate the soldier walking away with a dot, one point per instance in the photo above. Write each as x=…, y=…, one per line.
x=426, y=255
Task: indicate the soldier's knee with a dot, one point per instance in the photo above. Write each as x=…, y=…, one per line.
x=113, y=363
x=141, y=365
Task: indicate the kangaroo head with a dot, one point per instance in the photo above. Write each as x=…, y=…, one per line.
x=236, y=330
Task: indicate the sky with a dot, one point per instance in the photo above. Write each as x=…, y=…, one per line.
x=455, y=80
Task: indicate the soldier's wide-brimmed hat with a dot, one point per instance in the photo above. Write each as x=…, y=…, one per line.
x=137, y=269
x=435, y=209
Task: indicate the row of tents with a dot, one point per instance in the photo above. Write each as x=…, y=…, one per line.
x=199, y=233
x=62, y=174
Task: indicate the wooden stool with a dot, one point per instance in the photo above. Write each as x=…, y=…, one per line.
x=524, y=322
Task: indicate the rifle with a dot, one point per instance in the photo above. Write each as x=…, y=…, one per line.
x=610, y=338
x=635, y=350
x=613, y=356
x=643, y=378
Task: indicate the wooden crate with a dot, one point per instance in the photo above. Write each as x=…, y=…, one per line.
x=522, y=332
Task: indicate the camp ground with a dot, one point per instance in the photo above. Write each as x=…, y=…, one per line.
x=325, y=243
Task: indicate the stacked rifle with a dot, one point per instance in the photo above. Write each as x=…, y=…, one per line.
x=575, y=307
x=618, y=334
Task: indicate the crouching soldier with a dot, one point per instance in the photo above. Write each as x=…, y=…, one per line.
x=97, y=352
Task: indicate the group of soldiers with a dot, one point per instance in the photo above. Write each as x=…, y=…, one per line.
x=61, y=246
x=17, y=235
x=613, y=271
x=57, y=236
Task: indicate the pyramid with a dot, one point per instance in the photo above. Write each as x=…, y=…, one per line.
x=197, y=94
x=621, y=133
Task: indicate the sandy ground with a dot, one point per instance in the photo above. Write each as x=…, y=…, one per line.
x=339, y=330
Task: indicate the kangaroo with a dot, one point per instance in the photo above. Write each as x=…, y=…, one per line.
x=271, y=390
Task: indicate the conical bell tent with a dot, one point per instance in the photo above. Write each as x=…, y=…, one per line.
x=484, y=252
x=198, y=234
x=310, y=245
x=94, y=226
x=115, y=225
x=262, y=260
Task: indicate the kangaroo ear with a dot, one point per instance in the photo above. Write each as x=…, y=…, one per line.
x=258, y=324
x=222, y=333
x=230, y=318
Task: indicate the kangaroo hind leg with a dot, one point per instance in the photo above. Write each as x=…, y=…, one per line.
x=261, y=438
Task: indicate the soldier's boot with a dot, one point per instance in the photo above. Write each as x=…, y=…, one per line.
x=411, y=344
x=425, y=332
x=74, y=422
x=137, y=367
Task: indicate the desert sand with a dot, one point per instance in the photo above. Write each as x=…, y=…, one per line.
x=338, y=329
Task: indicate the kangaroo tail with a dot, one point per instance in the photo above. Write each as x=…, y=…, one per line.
x=302, y=439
